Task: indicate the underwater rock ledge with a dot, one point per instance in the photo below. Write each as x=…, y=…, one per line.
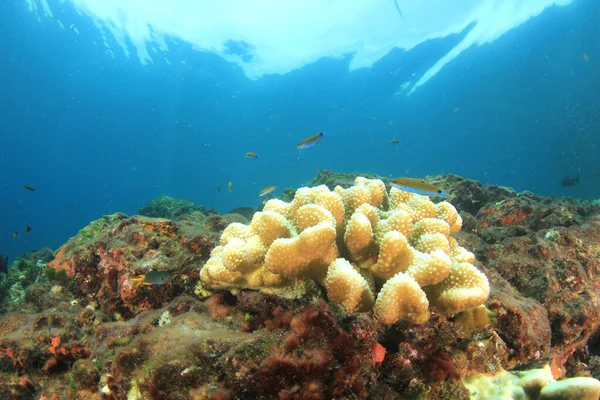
x=79, y=324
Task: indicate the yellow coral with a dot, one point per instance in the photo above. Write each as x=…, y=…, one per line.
x=311, y=215
x=446, y=211
x=396, y=220
x=403, y=241
x=354, y=197
x=401, y=298
x=420, y=207
x=235, y=230
x=359, y=236
x=395, y=255
x=430, y=268
x=465, y=287
x=370, y=212
x=430, y=242
x=376, y=189
x=278, y=206
x=334, y=204
x=218, y=273
x=346, y=286
x=429, y=226
x=459, y=253
x=456, y=227
x=310, y=253
x=234, y=255
x=399, y=197
x=531, y=384
x=270, y=225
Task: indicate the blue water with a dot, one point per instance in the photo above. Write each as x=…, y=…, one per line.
x=100, y=134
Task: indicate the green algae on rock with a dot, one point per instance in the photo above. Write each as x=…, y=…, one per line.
x=169, y=208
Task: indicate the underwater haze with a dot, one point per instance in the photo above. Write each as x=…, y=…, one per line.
x=106, y=105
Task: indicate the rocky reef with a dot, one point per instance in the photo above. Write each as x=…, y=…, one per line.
x=78, y=324
x=170, y=208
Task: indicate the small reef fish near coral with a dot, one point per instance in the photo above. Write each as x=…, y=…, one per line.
x=310, y=141
x=152, y=278
x=29, y=187
x=250, y=154
x=417, y=186
x=266, y=191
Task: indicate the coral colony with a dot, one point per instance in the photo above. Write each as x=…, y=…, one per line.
x=350, y=288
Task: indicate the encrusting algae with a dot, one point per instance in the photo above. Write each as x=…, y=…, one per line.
x=353, y=241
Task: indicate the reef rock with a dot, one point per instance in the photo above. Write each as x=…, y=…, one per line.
x=169, y=208
x=80, y=328
x=104, y=257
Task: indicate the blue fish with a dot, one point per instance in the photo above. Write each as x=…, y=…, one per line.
x=417, y=186
x=310, y=142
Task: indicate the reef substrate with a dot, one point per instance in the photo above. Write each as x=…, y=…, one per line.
x=74, y=326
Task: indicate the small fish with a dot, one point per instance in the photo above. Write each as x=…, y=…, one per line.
x=267, y=190
x=30, y=187
x=64, y=208
x=570, y=180
x=250, y=154
x=587, y=57
x=219, y=189
x=230, y=186
x=417, y=186
x=15, y=234
x=394, y=141
x=310, y=142
x=27, y=228
x=152, y=278
x=49, y=323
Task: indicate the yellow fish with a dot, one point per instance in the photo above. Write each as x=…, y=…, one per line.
x=151, y=278
x=15, y=235
x=417, y=186
x=310, y=142
x=394, y=141
x=267, y=190
x=230, y=186
x=251, y=154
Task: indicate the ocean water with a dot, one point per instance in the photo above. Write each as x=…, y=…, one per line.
x=103, y=109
